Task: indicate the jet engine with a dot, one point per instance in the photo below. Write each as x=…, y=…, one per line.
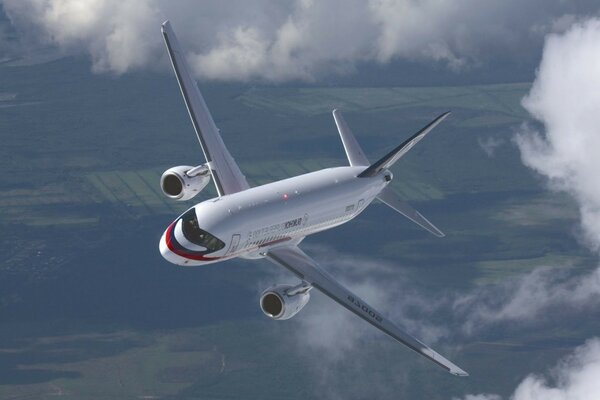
x=284, y=301
x=184, y=182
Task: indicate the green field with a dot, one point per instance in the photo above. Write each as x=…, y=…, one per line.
x=492, y=101
x=215, y=361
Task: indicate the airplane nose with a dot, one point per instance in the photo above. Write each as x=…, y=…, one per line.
x=165, y=251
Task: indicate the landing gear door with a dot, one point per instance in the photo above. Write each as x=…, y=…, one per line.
x=235, y=242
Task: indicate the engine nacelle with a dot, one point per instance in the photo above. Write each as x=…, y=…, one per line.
x=184, y=182
x=284, y=301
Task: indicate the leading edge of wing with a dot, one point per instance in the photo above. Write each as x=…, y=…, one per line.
x=225, y=172
x=389, y=159
x=295, y=260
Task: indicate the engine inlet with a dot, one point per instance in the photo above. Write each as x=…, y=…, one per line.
x=271, y=304
x=172, y=185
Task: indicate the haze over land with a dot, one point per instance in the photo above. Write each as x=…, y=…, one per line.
x=90, y=116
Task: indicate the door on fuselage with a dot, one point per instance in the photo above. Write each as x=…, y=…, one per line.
x=235, y=242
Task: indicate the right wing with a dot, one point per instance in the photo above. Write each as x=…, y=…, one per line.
x=308, y=270
x=225, y=172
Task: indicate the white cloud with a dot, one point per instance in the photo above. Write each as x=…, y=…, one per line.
x=295, y=39
x=114, y=33
x=490, y=144
x=329, y=336
x=526, y=300
x=481, y=397
x=326, y=332
x=565, y=99
x=574, y=378
x=380, y=284
x=521, y=302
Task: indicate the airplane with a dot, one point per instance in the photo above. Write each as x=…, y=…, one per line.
x=270, y=221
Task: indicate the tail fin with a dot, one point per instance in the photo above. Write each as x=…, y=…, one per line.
x=389, y=159
x=355, y=155
x=390, y=198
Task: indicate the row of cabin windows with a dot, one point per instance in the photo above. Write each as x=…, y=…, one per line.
x=302, y=229
x=265, y=240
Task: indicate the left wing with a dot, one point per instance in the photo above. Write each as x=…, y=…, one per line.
x=306, y=268
x=225, y=172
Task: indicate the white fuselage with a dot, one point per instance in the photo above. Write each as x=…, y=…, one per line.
x=250, y=222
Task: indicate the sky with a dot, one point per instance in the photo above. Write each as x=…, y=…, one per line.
x=553, y=43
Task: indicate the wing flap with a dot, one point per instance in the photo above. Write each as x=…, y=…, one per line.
x=225, y=172
x=295, y=260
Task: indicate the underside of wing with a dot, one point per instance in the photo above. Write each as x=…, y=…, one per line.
x=295, y=260
x=225, y=172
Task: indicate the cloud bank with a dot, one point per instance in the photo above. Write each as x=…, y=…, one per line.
x=565, y=99
x=574, y=378
x=564, y=148
x=295, y=39
x=527, y=300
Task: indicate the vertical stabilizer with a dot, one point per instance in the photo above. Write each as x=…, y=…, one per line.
x=355, y=155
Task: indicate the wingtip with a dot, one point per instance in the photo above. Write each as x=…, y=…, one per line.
x=444, y=115
x=457, y=371
x=165, y=24
x=460, y=372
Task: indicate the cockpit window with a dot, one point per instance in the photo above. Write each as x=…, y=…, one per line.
x=194, y=234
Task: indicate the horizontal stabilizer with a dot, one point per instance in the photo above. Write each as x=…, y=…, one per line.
x=356, y=156
x=389, y=159
x=390, y=198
